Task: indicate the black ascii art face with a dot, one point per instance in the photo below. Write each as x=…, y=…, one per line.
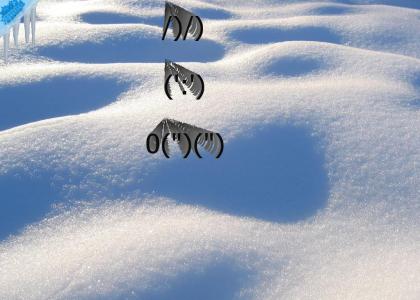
x=183, y=22
x=188, y=137
x=184, y=77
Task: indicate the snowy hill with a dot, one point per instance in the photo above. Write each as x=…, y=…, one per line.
x=315, y=197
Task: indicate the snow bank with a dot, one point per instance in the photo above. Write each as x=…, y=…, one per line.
x=335, y=82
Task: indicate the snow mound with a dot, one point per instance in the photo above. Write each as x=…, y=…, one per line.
x=316, y=197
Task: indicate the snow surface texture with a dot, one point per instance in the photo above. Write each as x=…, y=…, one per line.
x=330, y=211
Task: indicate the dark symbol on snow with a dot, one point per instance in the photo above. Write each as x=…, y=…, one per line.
x=183, y=76
x=187, y=136
x=183, y=22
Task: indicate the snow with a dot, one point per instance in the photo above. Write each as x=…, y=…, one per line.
x=316, y=197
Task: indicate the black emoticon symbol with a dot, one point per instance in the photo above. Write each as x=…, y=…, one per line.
x=183, y=22
x=183, y=76
x=187, y=136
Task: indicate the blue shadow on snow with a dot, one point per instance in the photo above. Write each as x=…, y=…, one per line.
x=290, y=66
x=275, y=35
x=276, y=175
x=55, y=97
x=104, y=17
x=332, y=10
x=213, y=14
x=398, y=3
x=131, y=48
x=24, y=200
x=119, y=18
x=416, y=83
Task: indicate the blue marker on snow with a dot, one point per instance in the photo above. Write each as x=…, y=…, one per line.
x=11, y=13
